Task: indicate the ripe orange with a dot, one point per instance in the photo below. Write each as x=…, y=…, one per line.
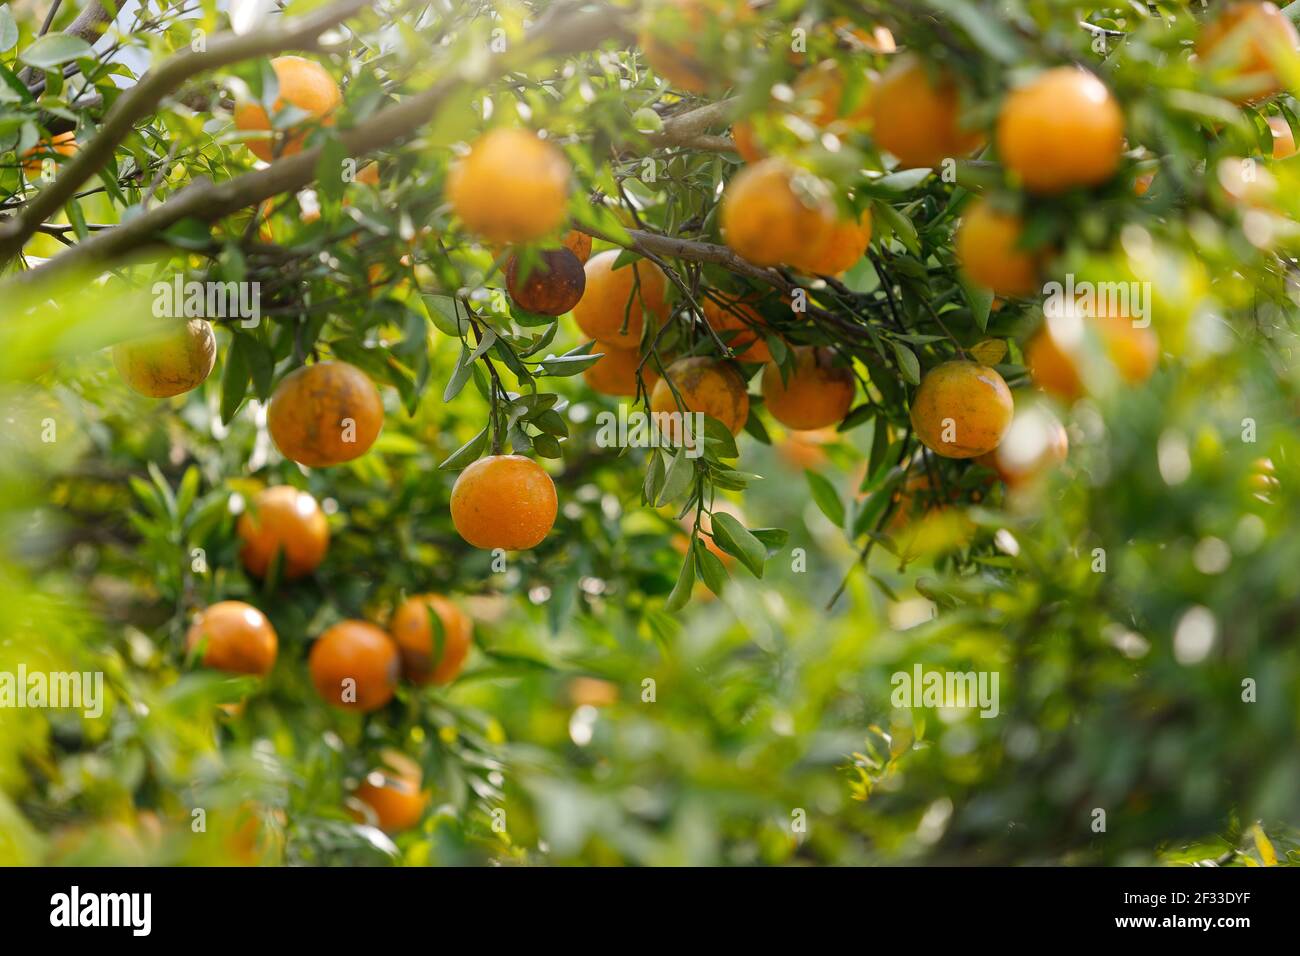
x=1061, y=130
x=1142, y=184
x=1055, y=365
x=747, y=145
x=987, y=248
x=614, y=373
x=1035, y=443
x=807, y=449
x=325, y=414
x=283, y=519
x=1248, y=40
x=304, y=84
x=1051, y=368
x=64, y=144
x=592, y=692
x=354, y=666
x=504, y=501
x=579, y=243
x=823, y=86
x=916, y=118
x=669, y=39
x=513, y=187
x=168, y=361
x=840, y=247
x=367, y=175
x=705, y=385
x=818, y=393
x=236, y=638
x=554, y=284
x=771, y=213
x=615, y=298
x=397, y=801
x=743, y=332
x=1283, y=138
x=412, y=629
x=961, y=409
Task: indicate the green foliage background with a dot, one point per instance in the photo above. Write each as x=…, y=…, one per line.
x=768, y=708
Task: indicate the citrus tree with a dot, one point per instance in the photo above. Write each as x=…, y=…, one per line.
x=558, y=431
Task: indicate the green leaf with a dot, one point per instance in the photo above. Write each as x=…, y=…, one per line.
x=681, y=592
x=566, y=365
x=8, y=30
x=447, y=315
x=458, y=377
x=55, y=49
x=731, y=536
x=827, y=498
x=677, y=480
x=548, y=446
x=711, y=568
x=907, y=363
x=234, y=380
x=981, y=302
x=466, y=453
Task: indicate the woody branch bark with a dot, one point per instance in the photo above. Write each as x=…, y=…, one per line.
x=143, y=99
x=565, y=30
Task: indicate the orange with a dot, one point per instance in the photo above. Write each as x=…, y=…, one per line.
x=579, y=243
x=614, y=373
x=772, y=212
x=1247, y=181
x=987, y=246
x=916, y=118
x=1249, y=40
x=554, y=284
x=817, y=395
x=1055, y=365
x=283, y=519
x=705, y=385
x=1283, y=137
x=305, y=85
x=513, y=187
x=354, y=666
x=1035, y=443
x=325, y=414
x=742, y=332
x=236, y=638
x=1142, y=184
x=747, y=145
x=397, y=801
x=1052, y=369
x=63, y=144
x=367, y=175
x=592, y=692
x=412, y=629
x=504, y=501
x=823, y=85
x=839, y=249
x=807, y=449
x=1062, y=129
x=168, y=361
x=669, y=38
x=613, y=305
x=961, y=409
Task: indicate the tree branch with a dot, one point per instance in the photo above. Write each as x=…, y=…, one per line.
x=691, y=129
x=89, y=25
x=554, y=35
x=143, y=99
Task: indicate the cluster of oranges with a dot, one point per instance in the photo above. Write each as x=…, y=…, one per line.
x=354, y=665
x=1062, y=130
